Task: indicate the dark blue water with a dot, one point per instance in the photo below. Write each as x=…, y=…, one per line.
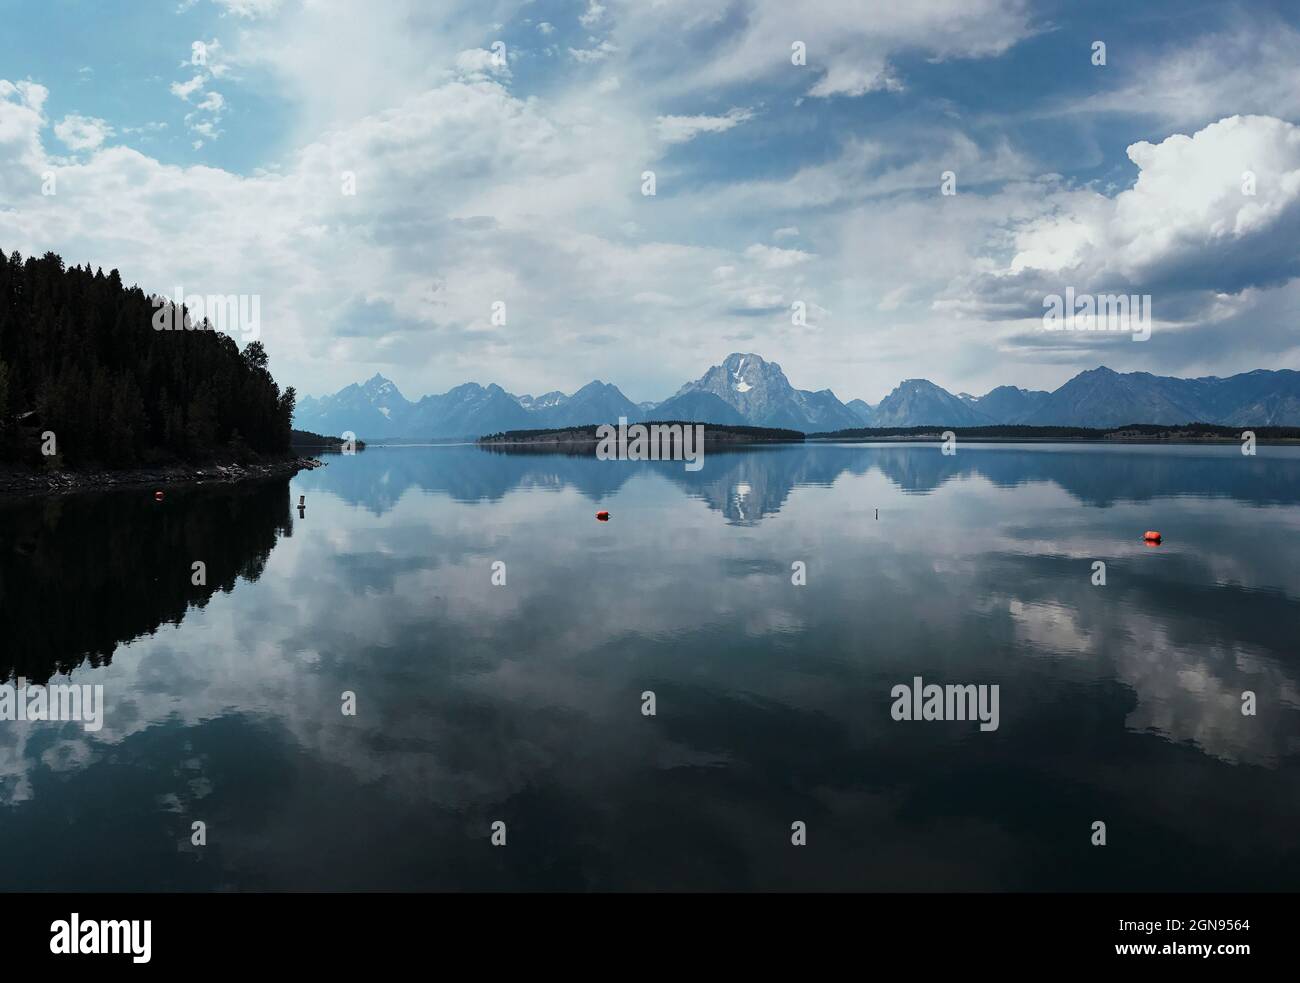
x=522, y=703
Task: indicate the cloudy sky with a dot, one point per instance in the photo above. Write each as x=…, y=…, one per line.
x=499, y=150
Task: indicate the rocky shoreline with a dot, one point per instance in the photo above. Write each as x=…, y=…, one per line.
x=17, y=483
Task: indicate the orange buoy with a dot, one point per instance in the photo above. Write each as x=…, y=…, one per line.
x=602, y=515
x=157, y=496
x=1151, y=536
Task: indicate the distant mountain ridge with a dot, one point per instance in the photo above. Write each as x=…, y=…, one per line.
x=747, y=390
x=922, y=401
x=759, y=391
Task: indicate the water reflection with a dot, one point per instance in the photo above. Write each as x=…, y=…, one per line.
x=521, y=702
x=749, y=484
x=81, y=574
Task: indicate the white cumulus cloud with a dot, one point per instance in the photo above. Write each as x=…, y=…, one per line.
x=82, y=132
x=1219, y=209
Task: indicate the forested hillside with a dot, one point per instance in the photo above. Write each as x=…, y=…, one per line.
x=80, y=358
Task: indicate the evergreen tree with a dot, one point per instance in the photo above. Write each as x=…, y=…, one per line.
x=80, y=355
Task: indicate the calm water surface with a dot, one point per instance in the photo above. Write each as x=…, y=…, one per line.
x=522, y=703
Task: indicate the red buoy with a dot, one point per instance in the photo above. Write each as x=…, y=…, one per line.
x=602, y=515
x=157, y=496
x=1151, y=536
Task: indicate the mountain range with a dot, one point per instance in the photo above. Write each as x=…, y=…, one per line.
x=746, y=389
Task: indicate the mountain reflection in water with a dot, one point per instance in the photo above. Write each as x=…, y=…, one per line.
x=521, y=703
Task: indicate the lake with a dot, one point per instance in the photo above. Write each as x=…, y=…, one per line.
x=763, y=601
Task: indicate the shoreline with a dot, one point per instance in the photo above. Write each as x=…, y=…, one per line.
x=936, y=438
x=20, y=484
x=584, y=442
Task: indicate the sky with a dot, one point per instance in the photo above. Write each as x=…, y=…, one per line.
x=445, y=192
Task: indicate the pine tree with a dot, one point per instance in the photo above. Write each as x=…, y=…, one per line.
x=79, y=355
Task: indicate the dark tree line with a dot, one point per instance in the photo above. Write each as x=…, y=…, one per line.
x=80, y=357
